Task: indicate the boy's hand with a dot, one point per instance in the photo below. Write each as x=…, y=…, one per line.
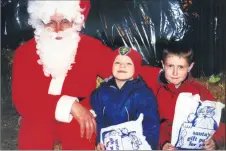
x=168, y=146
x=209, y=145
x=100, y=147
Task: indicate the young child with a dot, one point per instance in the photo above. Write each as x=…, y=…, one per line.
x=124, y=96
x=175, y=78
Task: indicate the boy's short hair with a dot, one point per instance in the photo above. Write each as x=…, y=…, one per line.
x=178, y=50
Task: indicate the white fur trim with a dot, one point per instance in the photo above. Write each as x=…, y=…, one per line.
x=63, y=108
x=56, y=85
x=42, y=10
x=56, y=56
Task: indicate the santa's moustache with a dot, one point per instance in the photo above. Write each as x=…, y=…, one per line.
x=56, y=56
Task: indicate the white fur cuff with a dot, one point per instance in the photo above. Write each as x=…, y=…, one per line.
x=63, y=108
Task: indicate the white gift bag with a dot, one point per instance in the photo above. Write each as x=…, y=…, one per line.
x=125, y=136
x=195, y=121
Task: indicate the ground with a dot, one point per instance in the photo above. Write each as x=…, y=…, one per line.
x=9, y=128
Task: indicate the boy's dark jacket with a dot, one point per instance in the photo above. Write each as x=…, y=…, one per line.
x=114, y=106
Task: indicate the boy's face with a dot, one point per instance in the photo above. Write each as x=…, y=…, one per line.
x=176, y=69
x=123, y=68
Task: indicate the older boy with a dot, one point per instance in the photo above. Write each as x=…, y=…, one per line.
x=173, y=79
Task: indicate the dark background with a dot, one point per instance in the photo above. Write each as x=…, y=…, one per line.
x=201, y=26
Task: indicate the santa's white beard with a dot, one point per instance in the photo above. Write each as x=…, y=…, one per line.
x=56, y=56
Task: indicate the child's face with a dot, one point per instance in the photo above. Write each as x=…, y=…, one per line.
x=176, y=69
x=123, y=68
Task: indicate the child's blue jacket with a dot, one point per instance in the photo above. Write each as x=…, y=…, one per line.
x=114, y=106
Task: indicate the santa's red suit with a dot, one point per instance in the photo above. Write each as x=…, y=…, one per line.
x=45, y=102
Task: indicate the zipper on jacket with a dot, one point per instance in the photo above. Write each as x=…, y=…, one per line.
x=127, y=113
x=103, y=110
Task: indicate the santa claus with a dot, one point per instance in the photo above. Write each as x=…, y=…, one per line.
x=53, y=72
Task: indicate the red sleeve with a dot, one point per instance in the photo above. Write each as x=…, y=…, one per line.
x=219, y=136
x=104, y=61
x=150, y=76
x=165, y=133
x=29, y=98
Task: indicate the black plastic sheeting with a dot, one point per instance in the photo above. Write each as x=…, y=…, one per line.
x=143, y=25
x=139, y=24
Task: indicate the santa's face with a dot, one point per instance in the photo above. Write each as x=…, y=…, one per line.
x=57, y=43
x=58, y=23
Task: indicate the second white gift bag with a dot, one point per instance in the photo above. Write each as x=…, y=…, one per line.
x=195, y=121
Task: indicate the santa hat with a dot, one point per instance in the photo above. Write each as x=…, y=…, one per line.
x=76, y=10
x=134, y=56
